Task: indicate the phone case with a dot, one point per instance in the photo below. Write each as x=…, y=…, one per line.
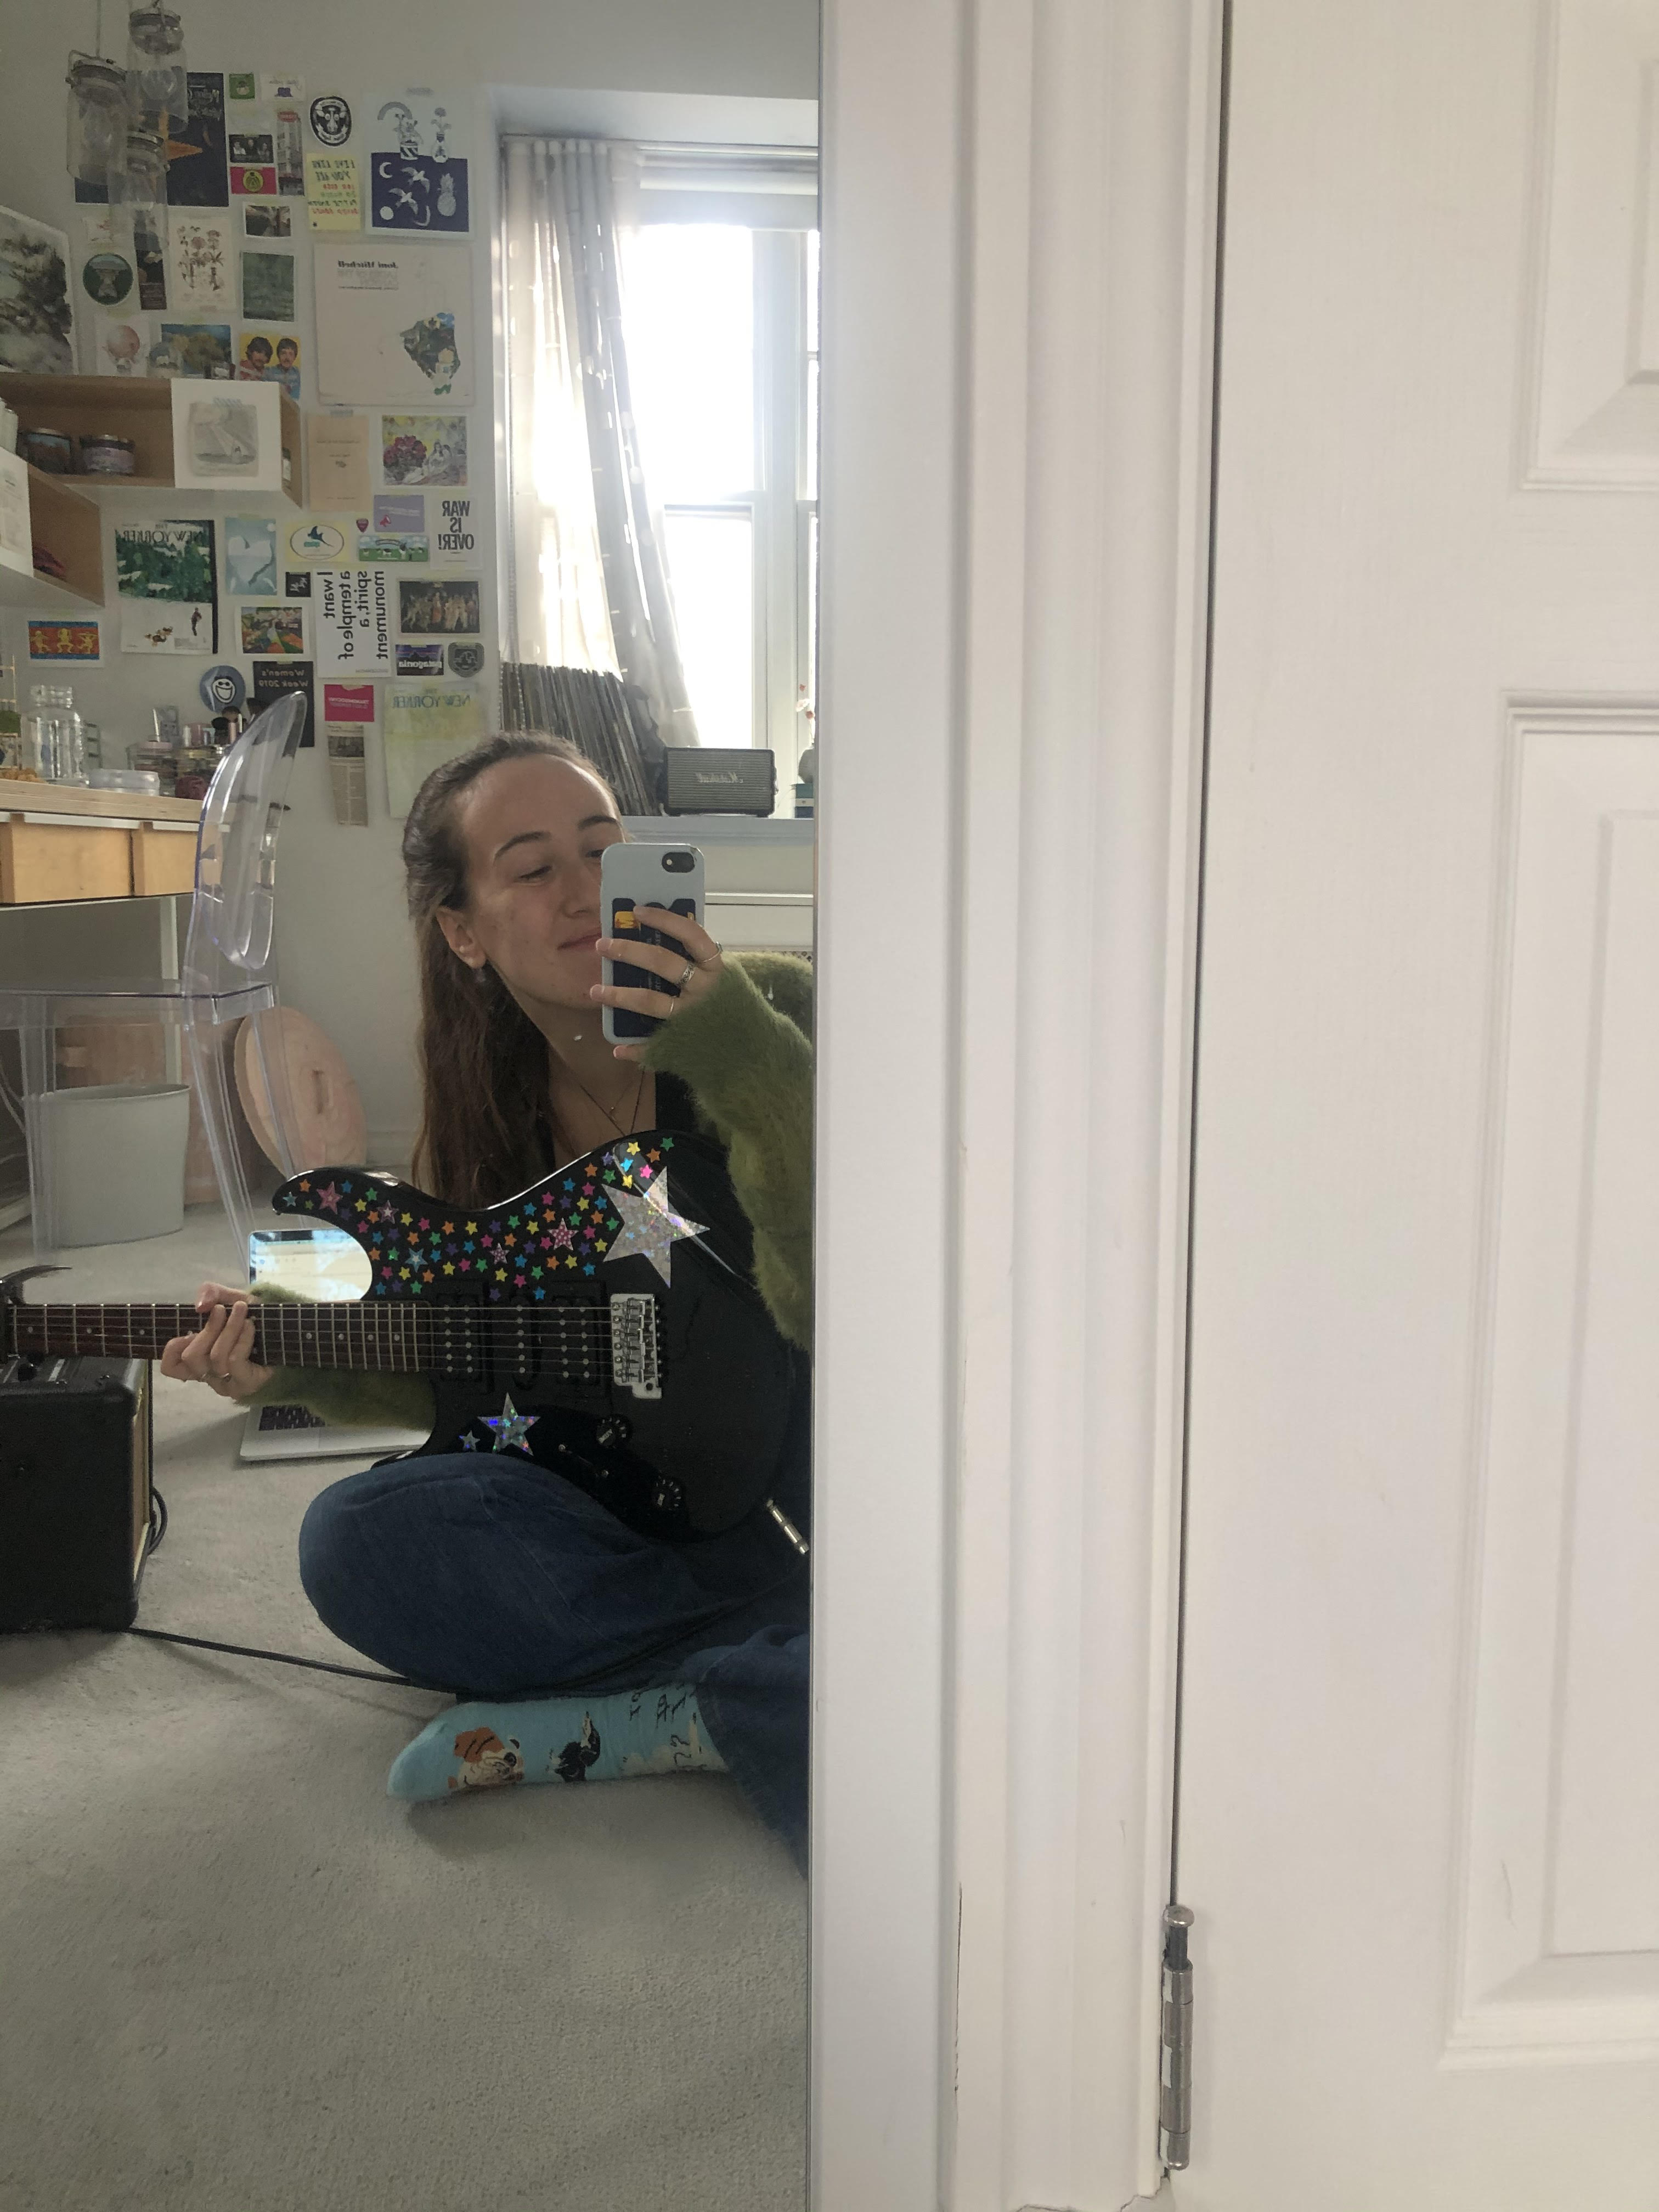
x=633, y=878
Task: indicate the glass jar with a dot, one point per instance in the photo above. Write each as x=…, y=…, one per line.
x=104, y=455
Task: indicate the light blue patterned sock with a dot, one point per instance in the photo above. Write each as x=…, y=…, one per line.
x=487, y=1744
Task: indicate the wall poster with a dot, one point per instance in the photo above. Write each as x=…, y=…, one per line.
x=164, y=587
x=394, y=325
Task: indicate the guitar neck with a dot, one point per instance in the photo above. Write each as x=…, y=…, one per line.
x=388, y=1336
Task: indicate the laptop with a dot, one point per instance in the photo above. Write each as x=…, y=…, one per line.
x=315, y=1264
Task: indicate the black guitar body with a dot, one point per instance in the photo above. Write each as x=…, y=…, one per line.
x=603, y=1323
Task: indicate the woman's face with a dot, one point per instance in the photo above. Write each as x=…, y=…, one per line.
x=533, y=830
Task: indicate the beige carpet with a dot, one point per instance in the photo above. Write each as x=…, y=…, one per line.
x=238, y=1978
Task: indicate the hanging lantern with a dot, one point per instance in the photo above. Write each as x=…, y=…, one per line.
x=142, y=179
x=97, y=118
x=156, y=84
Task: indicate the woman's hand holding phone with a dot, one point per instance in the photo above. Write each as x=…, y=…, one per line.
x=697, y=946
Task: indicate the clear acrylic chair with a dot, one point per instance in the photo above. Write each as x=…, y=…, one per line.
x=228, y=975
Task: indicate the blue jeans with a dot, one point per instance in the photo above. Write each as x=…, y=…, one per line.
x=491, y=1578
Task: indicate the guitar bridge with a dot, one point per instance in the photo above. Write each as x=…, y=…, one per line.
x=633, y=1362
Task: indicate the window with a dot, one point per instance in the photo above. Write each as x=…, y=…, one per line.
x=722, y=343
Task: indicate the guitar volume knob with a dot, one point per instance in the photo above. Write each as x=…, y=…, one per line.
x=614, y=1430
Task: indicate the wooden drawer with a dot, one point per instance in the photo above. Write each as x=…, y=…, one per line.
x=163, y=861
x=43, y=860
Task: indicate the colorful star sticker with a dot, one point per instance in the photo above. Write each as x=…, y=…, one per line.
x=329, y=1198
x=469, y=1441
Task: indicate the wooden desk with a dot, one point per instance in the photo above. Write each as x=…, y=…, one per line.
x=62, y=842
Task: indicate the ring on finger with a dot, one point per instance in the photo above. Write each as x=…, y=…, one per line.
x=690, y=969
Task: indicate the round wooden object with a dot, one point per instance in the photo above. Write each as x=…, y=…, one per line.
x=330, y=1130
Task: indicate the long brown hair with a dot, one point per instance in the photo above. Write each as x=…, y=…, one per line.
x=486, y=1112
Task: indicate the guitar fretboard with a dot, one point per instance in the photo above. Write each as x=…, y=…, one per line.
x=571, y=1338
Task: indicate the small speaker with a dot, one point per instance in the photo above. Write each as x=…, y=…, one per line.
x=75, y=1450
x=718, y=780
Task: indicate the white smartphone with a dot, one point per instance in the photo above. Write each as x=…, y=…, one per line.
x=633, y=878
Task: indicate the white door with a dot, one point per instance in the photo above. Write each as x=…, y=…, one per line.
x=1420, y=1803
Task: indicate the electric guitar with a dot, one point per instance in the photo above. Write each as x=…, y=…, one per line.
x=603, y=1323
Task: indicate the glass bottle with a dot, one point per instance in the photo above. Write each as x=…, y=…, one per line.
x=11, y=728
x=39, y=748
x=70, y=750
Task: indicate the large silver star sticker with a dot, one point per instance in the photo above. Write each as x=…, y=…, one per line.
x=650, y=1225
x=510, y=1426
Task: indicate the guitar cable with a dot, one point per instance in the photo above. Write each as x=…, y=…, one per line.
x=158, y=1529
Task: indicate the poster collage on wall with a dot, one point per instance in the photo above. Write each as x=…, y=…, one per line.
x=314, y=241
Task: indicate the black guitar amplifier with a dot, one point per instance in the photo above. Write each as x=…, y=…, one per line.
x=74, y=1491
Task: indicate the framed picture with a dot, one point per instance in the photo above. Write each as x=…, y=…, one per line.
x=227, y=436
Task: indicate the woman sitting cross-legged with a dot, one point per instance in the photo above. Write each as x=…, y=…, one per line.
x=485, y=1572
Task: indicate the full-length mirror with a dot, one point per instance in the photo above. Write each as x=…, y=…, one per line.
x=408, y=552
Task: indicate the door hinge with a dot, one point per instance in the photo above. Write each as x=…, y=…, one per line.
x=1175, y=2101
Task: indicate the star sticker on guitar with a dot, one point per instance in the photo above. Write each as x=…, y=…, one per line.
x=650, y=1226
x=509, y=1426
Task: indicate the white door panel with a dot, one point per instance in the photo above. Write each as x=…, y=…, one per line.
x=1419, y=1816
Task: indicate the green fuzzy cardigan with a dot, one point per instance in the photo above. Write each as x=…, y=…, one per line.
x=745, y=1054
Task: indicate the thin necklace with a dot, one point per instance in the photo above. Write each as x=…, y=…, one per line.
x=609, y=1112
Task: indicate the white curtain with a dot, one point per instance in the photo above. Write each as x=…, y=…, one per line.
x=589, y=585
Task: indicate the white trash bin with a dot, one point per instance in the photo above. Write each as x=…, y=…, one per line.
x=110, y=1159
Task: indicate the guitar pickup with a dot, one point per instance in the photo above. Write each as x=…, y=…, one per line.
x=634, y=1363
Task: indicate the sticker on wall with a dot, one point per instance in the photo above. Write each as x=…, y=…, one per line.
x=273, y=629
x=49, y=640
x=423, y=726
x=164, y=582
x=423, y=449
x=282, y=679
x=415, y=193
x=269, y=357
x=466, y=660
x=420, y=661
x=333, y=202
x=330, y=119
x=191, y=350
x=279, y=91
x=347, y=703
x=106, y=277
x=352, y=621
x=394, y=323
x=431, y=124
x=395, y=530
x=337, y=460
x=242, y=84
x=319, y=542
x=296, y=583
x=266, y=219
x=199, y=255
x=448, y=606
x=455, y=534
x=119, y=345
x=267, y=287
x=195, y=145
x=149, y=253
x=223, y=690
x=250, y=557
x=253, y=179
x=290, y=153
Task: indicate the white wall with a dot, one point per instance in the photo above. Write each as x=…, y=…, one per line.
x=343, y=944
